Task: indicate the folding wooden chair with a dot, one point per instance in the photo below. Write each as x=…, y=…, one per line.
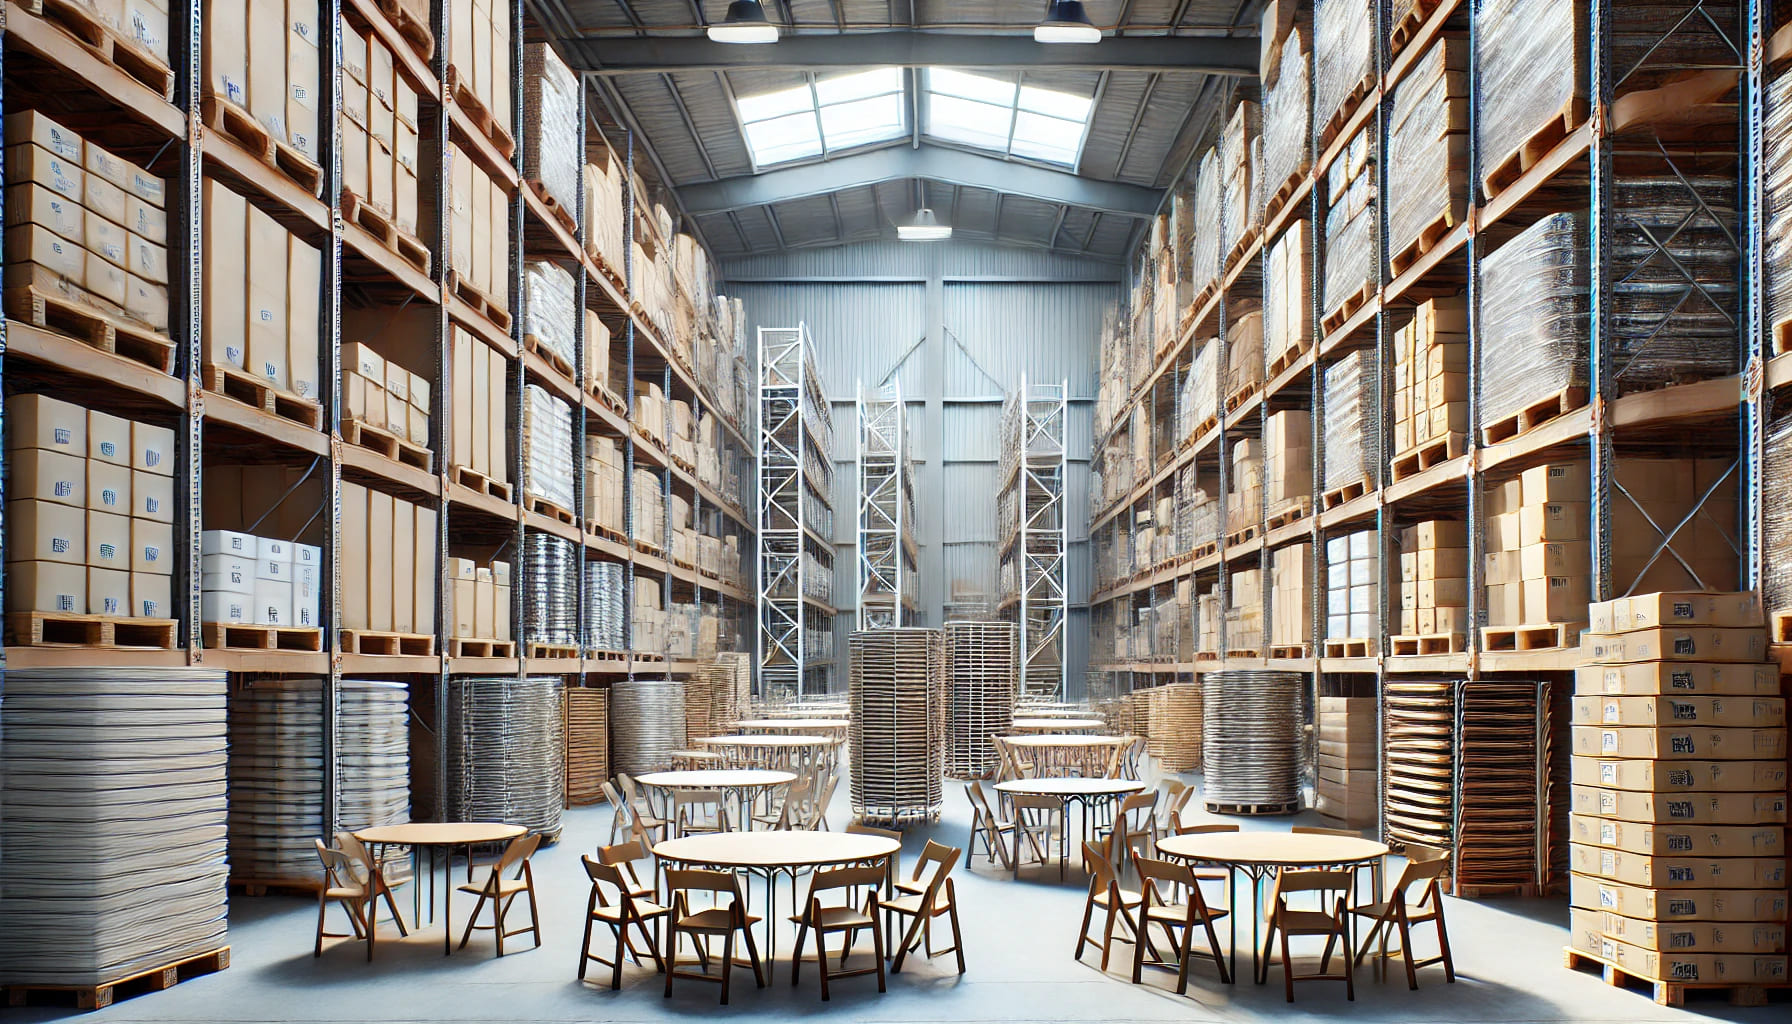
x=1332, y=922
x=501, y=892
x=791, y=809
x=998, y=834
x=939, y=898
x=723, y=920
x=1134, y=824
x=893, y=880
x=620, y=812
x=1399, y=911
x=624, y=857
x=698, y=812
x=1037, y=817
x=655, y=826
x=818, y=812
x=1116, y=904
x=347, y=882
x=630, y=909
x=1178, y=919
x=860, y=882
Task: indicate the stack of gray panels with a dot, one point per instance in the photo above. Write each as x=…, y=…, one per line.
x=373, y=754
x=604, y=607
x=550, y=604
x=506, y=755
x=277, y=780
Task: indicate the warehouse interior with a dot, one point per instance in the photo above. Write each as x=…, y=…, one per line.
x=1136, y=509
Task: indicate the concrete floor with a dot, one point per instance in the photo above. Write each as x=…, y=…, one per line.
x=1018, y=934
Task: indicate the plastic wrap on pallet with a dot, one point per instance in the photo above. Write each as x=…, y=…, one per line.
x=1287, y=124
x=1776, y=516
x=1674, y=234
x=1352, y=426
x=1204, y=257
x=547, y=448
x=1529, y=70
x=1351, y=224
x=1288, y=292
x=1427, y=162
x=605, y=611
x=1534, y=316
x=550, y=595
x=1342, y=54
x=1240, y=213
x=551, y=123
x=549, y=297
x=506, y=751
x=1201, y=389
x=1777, y=187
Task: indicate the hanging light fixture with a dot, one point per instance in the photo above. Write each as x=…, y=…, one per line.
x=745, y=23
x=1066, y=22
x=924, y=228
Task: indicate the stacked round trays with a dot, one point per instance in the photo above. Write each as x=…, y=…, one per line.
x=276, y=781
x=898, y=725
x=550, y=607
x=649, y=724
x=980, y=686
x=1251, y=742
x=505, y=756
x=373, y=759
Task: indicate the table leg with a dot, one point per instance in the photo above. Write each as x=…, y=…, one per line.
x=1232, y=908
x=1256, y=900
x=448, y=899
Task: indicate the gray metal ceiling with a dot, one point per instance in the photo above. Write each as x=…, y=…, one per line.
x=1142, y=130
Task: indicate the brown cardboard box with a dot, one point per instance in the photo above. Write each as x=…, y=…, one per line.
x=303, y=325
x=1681, y=808
x=465, y=600
x=465, y=408
x=145, y=220
x=404, y=568
x=1556, y=558
x=483, y=449
x=41, y=531
x=497, y=426
x=1691, y=743
x=1648, y=611
x=1677, y=965
x=152, y=497
x=226, y=58
x=485, y=596
x=1555, y=521
x=26, y=163
x=1555, y=482
x=226, y=320
x=105, y=279
x=1684, y=937
x=1450, y=620
x=152, y=449
x=39, y=421
x=379, y=560
x=426, y=575
x=38, y=586
x=267, y=281
x=267, y=64
x=108, y=592
x=1656, y=712
x=47, y=476
x=1555, y=599
x=1677, y=904
x=152, y=547
x=1503, y=531
x=108, y=438
x=1445, y=593
x=397, y=417
x=31, y=243
x=33, y=127
x=1676, y=872
x=35, y=204
x=103, y=197
x=1677, y=643
x=357, y=147
x=1678, y=678
x=303, y=81
x=1441, y=563
x=1505, y=604
x=146, y=260
x=1679, y=840
x=108, y=488
x=109, y=541
x=1646, y=775
x=146, y=301
x=355, y=563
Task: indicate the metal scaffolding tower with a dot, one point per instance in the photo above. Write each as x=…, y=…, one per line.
x=1033, y=528
x=887, y=554
x=796, y=518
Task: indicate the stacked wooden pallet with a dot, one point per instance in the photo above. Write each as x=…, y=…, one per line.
x=587, y=744
x=980, y=690
x=898, y=757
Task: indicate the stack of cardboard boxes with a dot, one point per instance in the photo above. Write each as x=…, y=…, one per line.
x=1208, y=615
x=597, y=354
x=1430, y=378
x=1244, y=506
x=1244, y=356
x=1288, y=460
x=650, y=411
x=262, y=311
x=262, y=581
x=83, y=225
x=388, y=562
x=547, y=449
x=1434, y=585
x=481, y=417
x=1537, y=552
x=262, y=55
x=1350, y=223
x=650, y=509
x=479, y=55
x=478, y=228
x=1200, y=399
x=479, y=597
x=1244, y=620
x=603, y=483
x=551, y=124
x=1352, y=609
x=605, y=230
x=1679, y=792
x=1291, y=596
x=89, y=511
x=1347, y=796
x=379, y=129
x=384, y=395
x=1288, y=295
x=1241, y=211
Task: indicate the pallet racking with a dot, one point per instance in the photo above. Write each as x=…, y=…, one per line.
x=1033, y=532
x=887, y=554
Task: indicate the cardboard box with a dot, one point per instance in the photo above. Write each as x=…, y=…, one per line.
x=304, y=292
x=1680, y=678
x=47, y=476
x=464, y=406
x=497, y=423
x=227, y=607
x=1651, y=611
x=41, y=531
x=105, y=279
x=226, y=319
x=152, y=449
x=1554, y=521
x=1651, y=840
x=273, y=603
x=379, y=560
x=1750, y=712
x=152, y=547
x=1440, y=563
x=146, y=301
x=1690, y=968
x=463, y=603
x=108, y=488
x=404, y=567
x=108, y=592
x=1555, y=598
x=426, y=576
x=354, y=556
x=39, y=421
x=104, y=198
x=31, y=243
x=1555, y=482
x=38, y=586
x=357, y=174
x=1646, y=775
x=303, y=83
x=228, y=542
x=1681, y=743
x=109, y=541
x=1741, y=905
x=267, y=65
x=267, y=283
x=1670, y=808
x=33, y=127
x=1677, y=872
x=1678, y=643
x=108, y=438
x=226, y=58
x=1692, y=936
x=146, y=220
x=34, y=204
x=485, y=596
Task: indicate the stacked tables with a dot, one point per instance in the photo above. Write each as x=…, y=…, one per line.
x=980, y=688
x=898, y=730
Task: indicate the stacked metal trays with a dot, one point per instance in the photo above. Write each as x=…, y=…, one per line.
x=898, y=725
x=277, y=781
x=551, y=601
x=603, y=606
x=1175, y=715
x=505, y=761
x=373, y=753
x=1251, y=741
x=980, y=689
x=112, y=822
x=649, y=718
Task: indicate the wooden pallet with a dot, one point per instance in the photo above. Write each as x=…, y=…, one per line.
x=365, y=435
x=1435, y=452
x=1409, y=26
x=1348, y=648
x=466, y=647
x=557, y=652
x=461, y=93
x=1293, y=510
x=554, y=206
x=1241, y=247
x=608, y=397
x=1296, y=652
x=1781, y=625
x=1503, y=173
x=1203, y=550
x=607, y=657
x=1669, y=993
x=239, y=126
x=1284, y=192
x=1202, y=294
x=215, y=636
x=1242, y=394
x=476, y=481
x=1429, y=643
x=1242, y=536
x=482, y=303
x=79, y=21
x=1203, y=428
x=1335, y=123
x=259, y=394
x=1207, y=657
x=96, y=997
x=554, y=359
x=1429, y=236
x=1541, y=637
x=649, y=657
x=411, y=30
x=1243, y=652
x=682, y=564
x=1342, y=313
x=1349, y=492
x=387, y=644
x=595, y=528
x=610, y=273
x=1534, y=415
x=1288, y=357
x=364, y=215
x=91, y=326
x=542, y=506
x=60, y=629
x=1252, y=809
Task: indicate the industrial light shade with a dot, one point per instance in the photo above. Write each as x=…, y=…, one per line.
x=924, y=228
x=1066, y=22
x=745, y=23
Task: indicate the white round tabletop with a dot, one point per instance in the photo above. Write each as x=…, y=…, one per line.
x=440, y=833
x=775, y=849
x=1071, y=786
x=1059, y=739
x=765, y=741
x=716, y=778
x=1279, y=849
x=1055, y=724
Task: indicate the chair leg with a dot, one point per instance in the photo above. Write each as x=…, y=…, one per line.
x=671, y=955
x=397, y=918
x=1287, y=968
x=471, y=919
x=535, y=914
x=318, y=950
x=1350, y=977
x=1213, y=943
x=616, y=969
x=653, y=946
x=1412, y=974
x=957, y=939
x=761, y=971
x=369, y=909
x=499, y=906
x=727, y=964
x=1443, y=941
x=585, y=948
x=1082, y=935
x=796, y=958
x=877, y=950
x=821, y=961
x=1183, y=949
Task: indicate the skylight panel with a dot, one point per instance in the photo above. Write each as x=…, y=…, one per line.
x=1007, y=117
x=823, y=115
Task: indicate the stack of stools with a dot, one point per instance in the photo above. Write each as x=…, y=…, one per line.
x=587, y=744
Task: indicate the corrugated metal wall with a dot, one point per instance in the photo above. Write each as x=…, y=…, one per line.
x=961, y=324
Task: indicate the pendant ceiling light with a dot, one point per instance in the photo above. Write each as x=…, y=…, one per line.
x=1066, y=22
x=924, y=228
x=745, y=23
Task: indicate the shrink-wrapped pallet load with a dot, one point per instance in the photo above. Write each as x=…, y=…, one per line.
x=1428, y=152
x=1352, y=421
x=1533, y=321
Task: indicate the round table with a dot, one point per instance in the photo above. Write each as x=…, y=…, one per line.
x=1085, y=792
x=433, y=836
x=782, y=752
x=1065, y=725
x=770, y=854
x=741, y=785
x=1259, y=854
x=832, y=728
x=1058, y=752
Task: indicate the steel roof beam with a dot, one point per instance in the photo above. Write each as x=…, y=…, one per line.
x=1210, y=55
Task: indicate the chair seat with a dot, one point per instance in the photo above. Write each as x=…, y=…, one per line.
x=506, y=887
x=1177, y=913
x=911, y=904
x=1373, y=910
x=1306, y=922
x=1129, y=898
x=716, y=919
x=345, y=892
x=837, y=917
x=643, y=908
x=912, y=888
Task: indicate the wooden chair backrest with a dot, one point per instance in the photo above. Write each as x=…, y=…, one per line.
x=628, y=787
x=1202, y=830
x=356, y=850
x=1037, y=802
x=859, y=876
x=518, y=851
x=1168, y=872
x=338, y=867
x=623, y=856
x=893, y=865
x=1146, y=801
x=683, y=880
x=603, y=873
x=826, y=797
x=620, y=805
x=1290, y=882
x=973, y=792
x=1424, y=866
x=941, y=858
x=1102, y=873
